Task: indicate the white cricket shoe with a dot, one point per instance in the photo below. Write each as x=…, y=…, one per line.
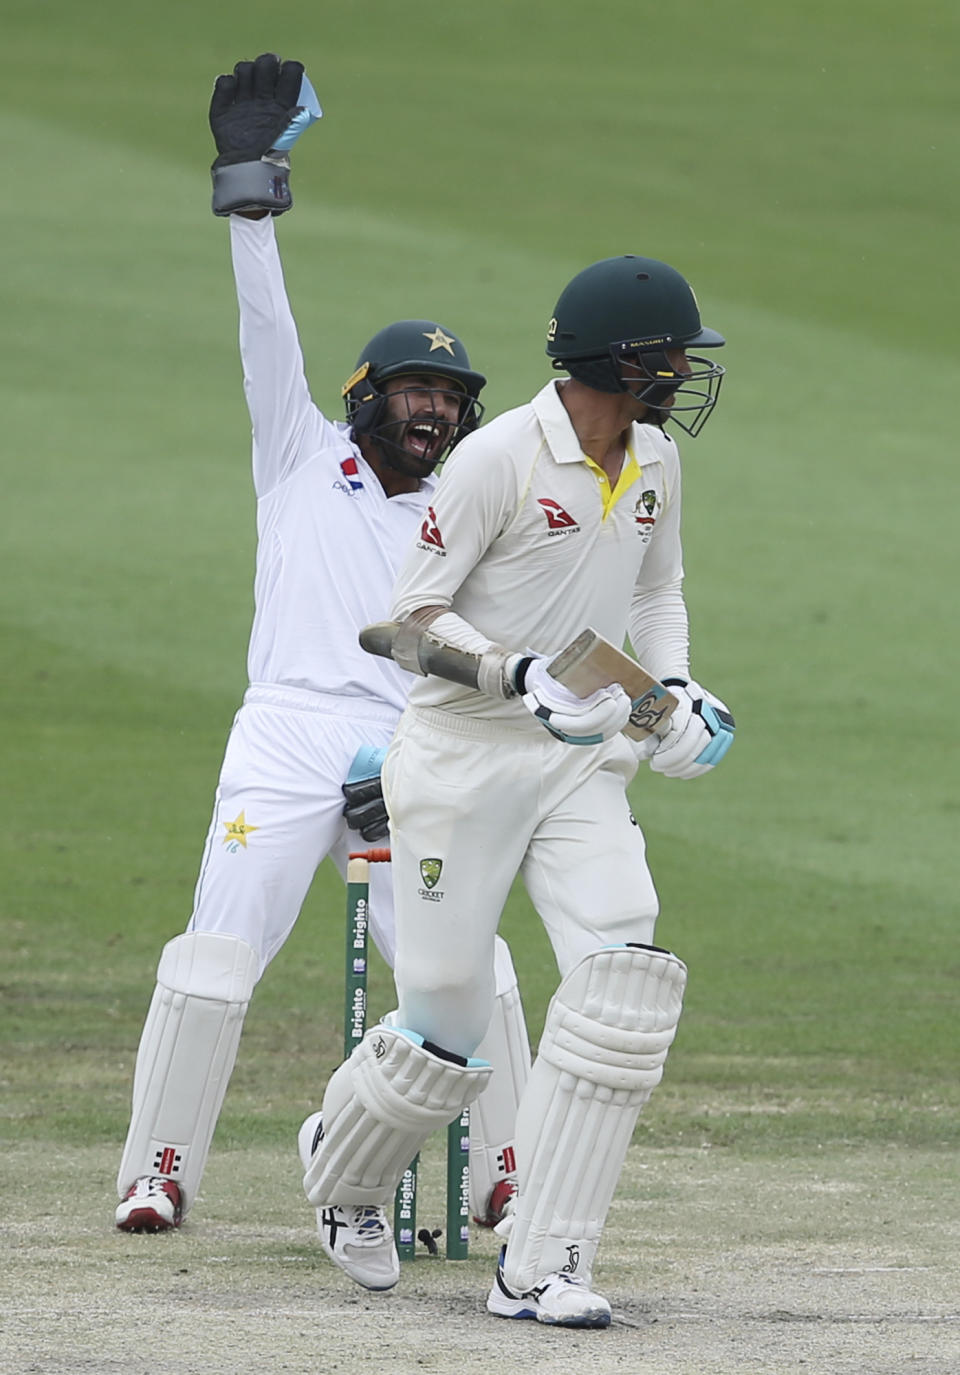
x=356, y=1237
x=151, y=1204
x=557, y=1299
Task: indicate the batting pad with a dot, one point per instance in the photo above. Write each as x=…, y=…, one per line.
x=493, y=1117
x=379, y=1108
x=186, y=1056
x=605, y=1040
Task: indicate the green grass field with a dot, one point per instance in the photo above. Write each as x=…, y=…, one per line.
x=799, y=165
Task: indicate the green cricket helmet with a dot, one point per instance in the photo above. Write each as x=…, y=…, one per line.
x=635, y=310
x=415, y=348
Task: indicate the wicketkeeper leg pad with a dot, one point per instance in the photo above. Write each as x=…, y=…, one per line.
x=379, y=1108
x=493, y=1117
x=604, y=1042
x=186, y=1056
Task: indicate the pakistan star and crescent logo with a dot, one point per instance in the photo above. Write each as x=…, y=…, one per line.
x=237, y=831
x=439, y=340
x=430, y=871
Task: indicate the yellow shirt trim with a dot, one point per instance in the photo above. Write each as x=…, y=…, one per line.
x=629, y=474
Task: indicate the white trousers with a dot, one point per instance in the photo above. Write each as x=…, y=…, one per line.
x=278, y=813
x=473, y=804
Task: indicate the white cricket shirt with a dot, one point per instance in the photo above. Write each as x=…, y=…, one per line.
x=329, y=539
x=524, y=540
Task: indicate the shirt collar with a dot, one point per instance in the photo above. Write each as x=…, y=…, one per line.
x=561, y=438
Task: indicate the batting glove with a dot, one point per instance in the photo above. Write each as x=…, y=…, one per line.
x=365, y=809
x=256, y=115
x=699, y=732
x=575, y=720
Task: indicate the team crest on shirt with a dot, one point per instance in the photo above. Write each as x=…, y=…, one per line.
x=645, y=513
x=559, y=521
x=430, y=536
x=430, y=871
x=237, y=832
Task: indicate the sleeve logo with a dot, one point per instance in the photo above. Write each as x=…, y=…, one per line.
x=430, y=537
x=352, y=474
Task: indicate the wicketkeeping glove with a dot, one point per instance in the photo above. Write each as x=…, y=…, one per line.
x=699, y=732
x=257, y=114
x=366, y=810
x=575, y=720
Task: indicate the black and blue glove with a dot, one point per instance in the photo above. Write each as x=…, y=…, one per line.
x=257, y=113
x=366, y=810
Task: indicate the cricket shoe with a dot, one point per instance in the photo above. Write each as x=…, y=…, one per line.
x=356, y=1237
x=152, y=1204
x=558, y=1300
x=501, y=1203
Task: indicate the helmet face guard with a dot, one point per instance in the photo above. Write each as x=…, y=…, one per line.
x=694, y=393
x=369, y=413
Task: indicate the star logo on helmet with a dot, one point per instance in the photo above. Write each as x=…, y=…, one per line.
x=439, y=340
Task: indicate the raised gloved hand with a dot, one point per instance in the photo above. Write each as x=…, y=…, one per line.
x=699, y=732
x=257, y=114
x=575, y=720
x=365, y=809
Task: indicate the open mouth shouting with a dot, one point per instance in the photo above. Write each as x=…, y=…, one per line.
x=426, y=438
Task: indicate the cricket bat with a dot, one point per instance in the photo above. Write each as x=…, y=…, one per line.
x=589, y=662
